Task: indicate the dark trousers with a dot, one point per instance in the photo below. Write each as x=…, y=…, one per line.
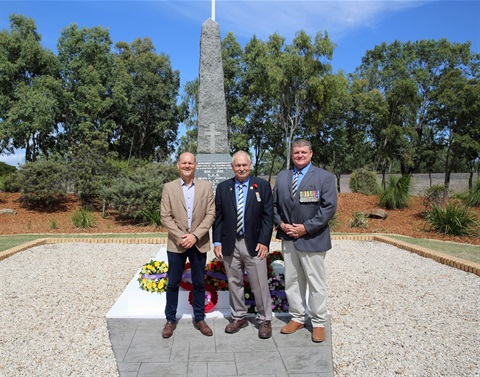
x=176, y=264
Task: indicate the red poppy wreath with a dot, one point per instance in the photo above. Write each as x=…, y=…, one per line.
x=211, y=298
x=187, y=274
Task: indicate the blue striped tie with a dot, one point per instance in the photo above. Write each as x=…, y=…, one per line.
x=294, y=184
x=240, y=210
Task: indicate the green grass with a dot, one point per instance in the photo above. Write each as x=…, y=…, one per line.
x=459, y=250
x=7, y=242
x=464, y=251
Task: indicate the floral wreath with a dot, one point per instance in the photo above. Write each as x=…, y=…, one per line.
x=276, y=283
x=273, y=257
x=184, y=283
x=215, y=275
x=211, y=298
x=153, y=276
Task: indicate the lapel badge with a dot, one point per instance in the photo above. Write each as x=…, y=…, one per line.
x=257, y=194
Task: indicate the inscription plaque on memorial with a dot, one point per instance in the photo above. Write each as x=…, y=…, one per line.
x=214, y=168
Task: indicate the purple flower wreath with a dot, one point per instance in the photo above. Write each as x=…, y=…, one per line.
x=276, y=284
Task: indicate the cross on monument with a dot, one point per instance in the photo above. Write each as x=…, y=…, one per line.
x=213, y=10
x=213, y=133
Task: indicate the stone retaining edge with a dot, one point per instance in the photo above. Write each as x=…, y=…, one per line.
x=461, y=264
x=14, y=250
x=449, y=260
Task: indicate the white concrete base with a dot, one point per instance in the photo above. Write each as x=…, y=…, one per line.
x=134, y=302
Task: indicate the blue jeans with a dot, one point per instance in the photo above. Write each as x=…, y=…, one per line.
x=176, y=264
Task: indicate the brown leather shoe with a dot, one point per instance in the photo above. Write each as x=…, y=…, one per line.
x=291, y=327
x=318, y=334
x=236, y=325
x=265, y=330
x=203, y=327
x=167, y=331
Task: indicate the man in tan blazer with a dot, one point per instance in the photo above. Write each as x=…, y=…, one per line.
x=188, y=212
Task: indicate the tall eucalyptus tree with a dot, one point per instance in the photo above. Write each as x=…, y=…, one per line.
x=408, y=75
x=30, y=90
x=145, y=95
x=290, y=77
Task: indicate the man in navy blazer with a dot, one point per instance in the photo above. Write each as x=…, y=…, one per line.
x=304, y=201
x=242, y=233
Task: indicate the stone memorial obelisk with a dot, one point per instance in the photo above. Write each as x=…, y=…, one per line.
x=213, y=157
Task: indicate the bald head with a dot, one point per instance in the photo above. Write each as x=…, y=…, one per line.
x=187, y=155
x=186, y=166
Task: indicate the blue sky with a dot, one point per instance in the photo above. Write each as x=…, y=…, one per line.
x=174, y=26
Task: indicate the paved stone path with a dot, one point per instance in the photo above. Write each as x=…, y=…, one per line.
x=141, y=351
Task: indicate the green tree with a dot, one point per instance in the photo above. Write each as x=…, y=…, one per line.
x=189, y=106
x=29, y=90
x=147, y=89
x=260, y=126
x=456, y=118
x=369, y=114
x=234, y=83
x=291, y=78
x=336, y=131
x=407, y=75
x=86, y=68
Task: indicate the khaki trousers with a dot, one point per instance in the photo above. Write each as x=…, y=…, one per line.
x=305, y=284
x=235, y=267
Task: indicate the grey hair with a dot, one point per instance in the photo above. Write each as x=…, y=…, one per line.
x=239, y=153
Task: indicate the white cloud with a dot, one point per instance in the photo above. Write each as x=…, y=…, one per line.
x=264, y=17
x=336, y=17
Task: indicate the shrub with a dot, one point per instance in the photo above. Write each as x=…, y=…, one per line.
x=53, y=224
x=128, y=194
x=364, y=181
x=42, y=184
x=11, y=182
x=359, y=220
x=473, y=196
x=435, y=195
x=397, y=194
x=453, y=219
x=83, y=219
x=152, y=213
x=334, y=222
x=89, y=170
x=5, y=171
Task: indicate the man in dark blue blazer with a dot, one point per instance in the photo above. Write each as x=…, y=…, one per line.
x=242, y=233
x=304, y=201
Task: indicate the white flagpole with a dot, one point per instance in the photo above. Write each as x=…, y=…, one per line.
x=213, y=10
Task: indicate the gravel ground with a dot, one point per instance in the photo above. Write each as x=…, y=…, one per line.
x=393, y=313
x=53, y=303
